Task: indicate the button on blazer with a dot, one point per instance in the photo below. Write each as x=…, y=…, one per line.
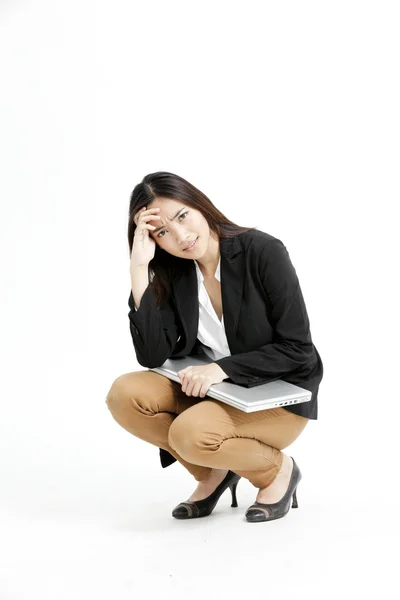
x=265, y=318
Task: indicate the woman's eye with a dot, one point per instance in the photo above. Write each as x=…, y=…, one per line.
x=163, y=230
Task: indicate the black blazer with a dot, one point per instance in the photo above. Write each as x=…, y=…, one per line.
x=265, y=317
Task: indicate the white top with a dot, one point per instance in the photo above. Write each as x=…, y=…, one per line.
x=211, y=331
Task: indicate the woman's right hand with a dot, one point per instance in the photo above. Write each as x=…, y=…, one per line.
x=143, y=247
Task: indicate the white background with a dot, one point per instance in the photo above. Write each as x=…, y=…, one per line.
x=286, y=114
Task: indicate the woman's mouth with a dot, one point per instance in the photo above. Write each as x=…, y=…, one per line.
x=192, y=246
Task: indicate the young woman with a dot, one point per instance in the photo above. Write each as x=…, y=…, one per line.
x=202, y=284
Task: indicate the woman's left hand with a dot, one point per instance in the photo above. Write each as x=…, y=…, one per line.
x=197, y=380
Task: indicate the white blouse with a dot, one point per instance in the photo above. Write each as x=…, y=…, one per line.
x=211, y=331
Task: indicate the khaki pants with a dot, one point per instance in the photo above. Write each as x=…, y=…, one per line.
x=203, y=433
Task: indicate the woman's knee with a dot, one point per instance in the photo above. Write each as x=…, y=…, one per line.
x=188, y=437
x=123, y=391
x=140, y=392
x=181, y=439
x=117, y=393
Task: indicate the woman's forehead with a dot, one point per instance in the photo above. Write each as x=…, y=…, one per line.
x=167, y=206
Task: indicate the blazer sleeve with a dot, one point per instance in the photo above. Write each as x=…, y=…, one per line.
x=154, y=330
x=292, y=348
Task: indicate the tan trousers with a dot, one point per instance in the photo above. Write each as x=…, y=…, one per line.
x=203, y=433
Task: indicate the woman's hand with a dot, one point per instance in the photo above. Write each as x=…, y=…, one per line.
x=143, y=247
x=197, y=380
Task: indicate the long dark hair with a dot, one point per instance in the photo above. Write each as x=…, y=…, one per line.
x=167, y=185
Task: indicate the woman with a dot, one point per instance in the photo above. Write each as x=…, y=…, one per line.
x=202, y=284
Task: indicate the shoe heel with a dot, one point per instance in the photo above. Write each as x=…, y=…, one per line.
x=233, y=491
x=294, y=503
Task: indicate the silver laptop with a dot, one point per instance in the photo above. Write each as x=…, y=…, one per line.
x=267, y=395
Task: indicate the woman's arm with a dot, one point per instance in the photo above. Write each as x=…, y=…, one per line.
x=292, y=348
x=154, y=330
x=139, y=283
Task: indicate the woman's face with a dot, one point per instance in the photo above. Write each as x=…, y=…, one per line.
x=178, y=226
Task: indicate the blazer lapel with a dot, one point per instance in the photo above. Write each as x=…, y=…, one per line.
x=232, y=281
x=232, y=278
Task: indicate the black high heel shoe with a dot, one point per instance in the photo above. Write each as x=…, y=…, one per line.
x=202, y=508
x=268, y=512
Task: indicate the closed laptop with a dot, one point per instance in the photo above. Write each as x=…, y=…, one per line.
x=267, y=395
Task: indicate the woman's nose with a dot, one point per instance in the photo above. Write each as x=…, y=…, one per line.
x=181, y=237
